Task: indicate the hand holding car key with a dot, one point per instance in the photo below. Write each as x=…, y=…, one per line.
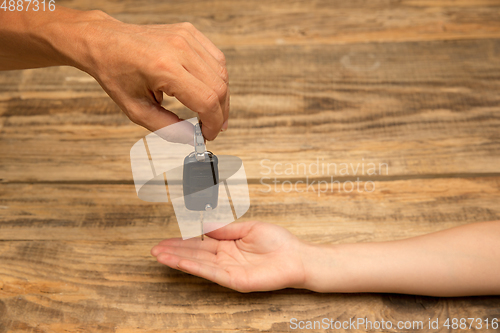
x=200, y=177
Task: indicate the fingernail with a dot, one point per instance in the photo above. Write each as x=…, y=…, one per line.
x=225, y=125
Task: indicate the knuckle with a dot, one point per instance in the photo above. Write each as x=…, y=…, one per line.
x=221, y=58
x=164, y=69
x=178, y=41
x=163, y=64
x=188, y=26
x=98, y=14
x=222, y=90
x=184, y=33
x=212, y=102
x=224, y=74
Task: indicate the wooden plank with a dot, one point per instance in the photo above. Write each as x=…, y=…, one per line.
x=236, y=23
x=311, y=82
x=76, y=257
x=116, y=287
x=385, y=210
x=436, y=104
x=127, y=291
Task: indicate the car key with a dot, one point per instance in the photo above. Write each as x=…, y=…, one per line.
x=200, y=178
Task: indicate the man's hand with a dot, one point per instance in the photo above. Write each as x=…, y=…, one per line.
x=135, y=64
x=248, y=256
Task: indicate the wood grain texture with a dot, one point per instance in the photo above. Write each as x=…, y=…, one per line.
x=237, y=23
x=436, y=104
x=114, y=286
x=113, y=212
x=76, y=257
x=390, y=211
x=413, y=84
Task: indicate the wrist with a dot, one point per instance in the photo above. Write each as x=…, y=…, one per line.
x=329, y=268
x=47, y=38
x=74, y=37
x=320, y=267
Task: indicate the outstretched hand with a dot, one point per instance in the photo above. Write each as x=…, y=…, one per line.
x=247, y=256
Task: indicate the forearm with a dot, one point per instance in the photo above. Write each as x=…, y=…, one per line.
x=459, y=261
x=30, y=39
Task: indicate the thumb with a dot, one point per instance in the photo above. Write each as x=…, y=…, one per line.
x=156, y=118
x=232, y=231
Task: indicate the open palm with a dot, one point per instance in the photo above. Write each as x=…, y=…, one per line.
x=248, y=256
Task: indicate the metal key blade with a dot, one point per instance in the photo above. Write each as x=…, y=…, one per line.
x=199, y=143
x=201, y=220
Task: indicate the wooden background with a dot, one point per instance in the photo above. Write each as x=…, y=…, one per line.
x=414, y=84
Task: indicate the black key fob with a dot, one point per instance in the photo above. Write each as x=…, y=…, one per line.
x=201, y=181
